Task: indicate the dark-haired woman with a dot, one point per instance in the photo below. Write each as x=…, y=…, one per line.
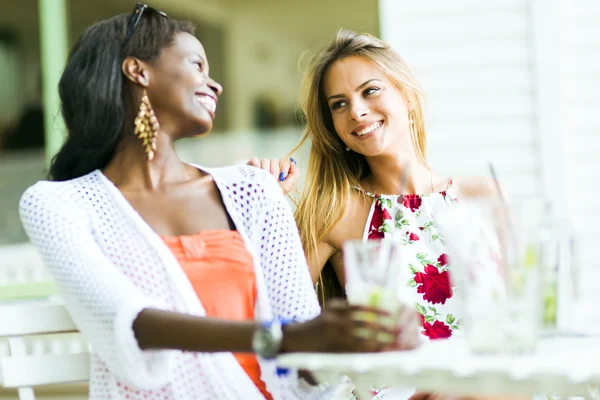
x=175, y=273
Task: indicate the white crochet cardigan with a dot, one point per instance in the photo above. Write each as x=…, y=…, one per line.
x=110, y=265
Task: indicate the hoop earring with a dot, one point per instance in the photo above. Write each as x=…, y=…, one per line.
x=146, y=126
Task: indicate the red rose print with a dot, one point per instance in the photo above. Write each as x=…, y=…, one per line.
x=386, y=215
x=421, y=228
x=412, y=237
x=443, y=193
x=412, y=201
x=443, y=259
x=377, y=222
x=437, y=330
x=434, y=285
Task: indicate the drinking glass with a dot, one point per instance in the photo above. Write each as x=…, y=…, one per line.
x=482, y=249
x=375, y=277
x=505, y=262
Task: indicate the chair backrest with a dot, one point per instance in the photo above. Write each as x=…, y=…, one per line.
x=23, y=274
x=43, y=347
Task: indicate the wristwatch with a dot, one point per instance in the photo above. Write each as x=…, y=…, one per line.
x=267, y=339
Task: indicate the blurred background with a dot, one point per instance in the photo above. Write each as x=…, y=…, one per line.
x=511, y=82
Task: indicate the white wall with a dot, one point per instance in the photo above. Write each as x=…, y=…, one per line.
x=475, y=62
x=580, y=104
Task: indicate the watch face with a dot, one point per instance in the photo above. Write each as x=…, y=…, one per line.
x=262, y=342
x=266, y=341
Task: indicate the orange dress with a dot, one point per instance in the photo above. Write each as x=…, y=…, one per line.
x=221, y=271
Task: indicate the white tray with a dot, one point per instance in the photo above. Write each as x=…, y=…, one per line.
x=563, y=366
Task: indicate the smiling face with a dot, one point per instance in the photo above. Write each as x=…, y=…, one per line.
x=183, y=95
x=368, y=111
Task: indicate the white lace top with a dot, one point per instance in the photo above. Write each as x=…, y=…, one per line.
x=109, y=265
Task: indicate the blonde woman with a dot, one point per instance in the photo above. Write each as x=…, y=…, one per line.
x=368, y=176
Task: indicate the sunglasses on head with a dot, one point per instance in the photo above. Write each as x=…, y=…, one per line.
x=136, y=15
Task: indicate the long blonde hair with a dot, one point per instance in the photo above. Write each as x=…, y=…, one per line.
x=332, y=171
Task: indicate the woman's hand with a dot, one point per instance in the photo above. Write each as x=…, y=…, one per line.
x=344, y=328
x=285, y=171
x=409, y=325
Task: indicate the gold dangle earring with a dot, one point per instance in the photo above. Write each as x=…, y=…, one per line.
x=146, y=126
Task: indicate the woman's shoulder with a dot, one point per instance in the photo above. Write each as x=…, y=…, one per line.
x=352, y=223
x=474, y=186
x=46, y=203
x=49, y=189
x=61, y=194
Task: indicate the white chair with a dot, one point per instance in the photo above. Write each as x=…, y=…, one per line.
x=23, y=274
x=43, y=347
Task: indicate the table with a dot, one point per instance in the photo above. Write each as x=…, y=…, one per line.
x=560, y=365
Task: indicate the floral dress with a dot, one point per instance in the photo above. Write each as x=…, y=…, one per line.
x=409, y=219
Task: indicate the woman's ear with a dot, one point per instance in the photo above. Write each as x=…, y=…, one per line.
x=136, y=71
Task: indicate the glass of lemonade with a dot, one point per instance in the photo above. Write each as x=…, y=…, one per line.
x=503, y=258
x=374, y=277
x=481, y=247
x=533, y=283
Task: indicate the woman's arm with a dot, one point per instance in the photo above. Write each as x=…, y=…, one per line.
x=472, y=187
x=102, y=301
x=318, y=258
x=159, y=329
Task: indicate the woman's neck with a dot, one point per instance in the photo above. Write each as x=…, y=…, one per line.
x=391, y=174
x=130, y=169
